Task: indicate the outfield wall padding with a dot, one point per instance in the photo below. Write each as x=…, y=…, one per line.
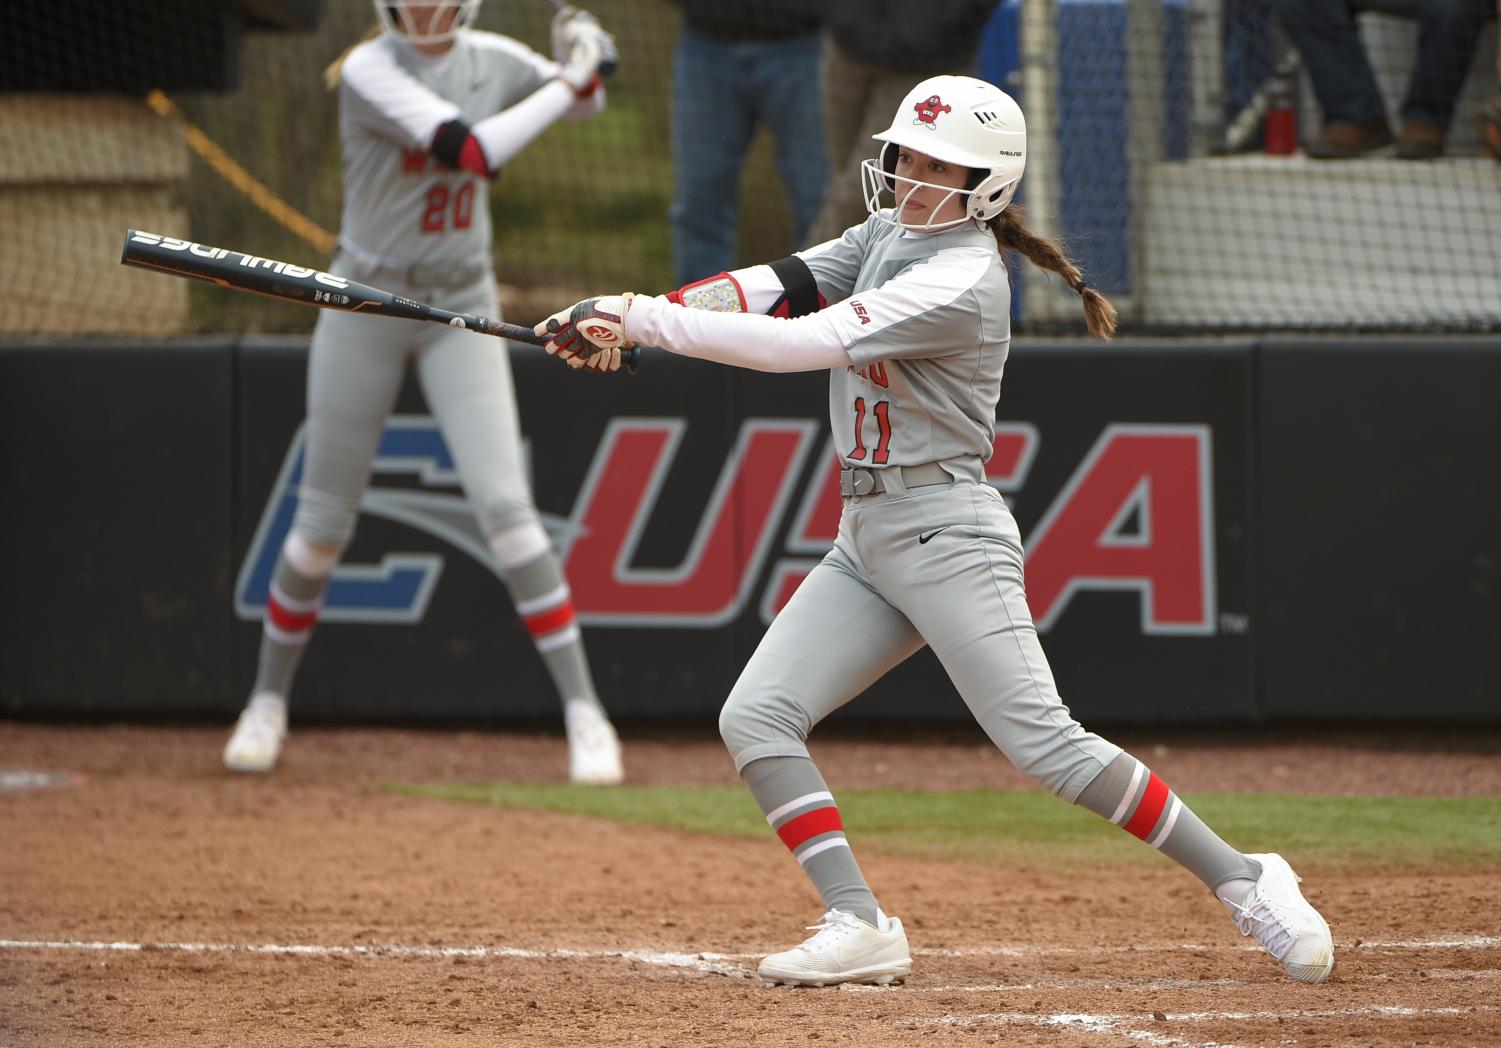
x=1239, y=531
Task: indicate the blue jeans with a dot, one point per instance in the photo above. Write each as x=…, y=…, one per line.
x=720, y=92
x=1324, y=33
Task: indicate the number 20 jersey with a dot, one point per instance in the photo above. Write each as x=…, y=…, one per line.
x=927, y=322
x=399, y=204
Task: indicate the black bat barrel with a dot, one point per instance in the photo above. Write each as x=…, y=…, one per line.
x=267, y=276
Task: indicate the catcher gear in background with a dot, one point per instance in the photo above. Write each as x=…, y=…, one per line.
x=397, y=19
x=962, y=121
x=593, y=328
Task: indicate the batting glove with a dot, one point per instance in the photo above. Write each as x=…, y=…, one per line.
x=584, y=51
x=589, y=334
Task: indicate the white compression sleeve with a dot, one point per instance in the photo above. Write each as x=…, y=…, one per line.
x=747, y=340
x=511, y=130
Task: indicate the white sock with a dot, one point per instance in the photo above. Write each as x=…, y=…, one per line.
x=1234, y=892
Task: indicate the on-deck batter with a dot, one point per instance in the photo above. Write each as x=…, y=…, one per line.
x=910, y=312
x=429, y=111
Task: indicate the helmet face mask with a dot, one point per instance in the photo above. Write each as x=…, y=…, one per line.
x=399, y=19
x=963, y=122
x=879, y=180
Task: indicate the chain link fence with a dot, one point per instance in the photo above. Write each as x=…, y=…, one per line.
x=1162, y=150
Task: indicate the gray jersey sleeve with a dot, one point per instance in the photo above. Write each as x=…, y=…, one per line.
x=512, y=66
x=835, y=264
x=931, y=309
x=382, y=96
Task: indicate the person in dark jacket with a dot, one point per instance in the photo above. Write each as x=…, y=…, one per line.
x=873, y=52
x=738, y=66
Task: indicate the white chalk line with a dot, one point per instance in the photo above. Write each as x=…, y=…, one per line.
x=709, y=963
x=1121, y=1025
x=1473, y=942
x=703, y=961
x=1434, y=975
x=723, y=964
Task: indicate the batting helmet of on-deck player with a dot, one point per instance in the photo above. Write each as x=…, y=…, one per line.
x=959, y=120
x=396, y=18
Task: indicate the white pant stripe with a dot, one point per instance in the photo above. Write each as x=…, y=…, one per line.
x=1167, y=827
x=296, y=607
x=560, y=639
x=1120, y=812
x=800, y=802
x=550, y=599
x=822, y=846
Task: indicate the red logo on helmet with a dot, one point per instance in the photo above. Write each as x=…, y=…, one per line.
x=928, y=110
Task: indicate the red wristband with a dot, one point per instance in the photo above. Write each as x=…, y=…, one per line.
x=587, y=91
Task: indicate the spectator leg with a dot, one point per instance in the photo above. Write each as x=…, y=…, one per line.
x=711, y=133
x=796, y=125
x=845, y=85
x=1325, y=35
x=1447, y=33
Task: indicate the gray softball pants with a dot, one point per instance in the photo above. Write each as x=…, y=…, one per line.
x=880, y=595
x=355, y=371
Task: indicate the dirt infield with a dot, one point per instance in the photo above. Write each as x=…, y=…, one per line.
x=162, y=901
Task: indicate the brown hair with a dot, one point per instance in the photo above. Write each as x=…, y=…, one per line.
x=331, y=74
x=1012, y=235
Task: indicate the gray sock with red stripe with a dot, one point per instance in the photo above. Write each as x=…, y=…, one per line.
x=799, y=806
x=1130, y=795
x=545, y=605
x=291, y=613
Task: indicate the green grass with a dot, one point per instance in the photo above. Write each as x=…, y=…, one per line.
x=1030, y=828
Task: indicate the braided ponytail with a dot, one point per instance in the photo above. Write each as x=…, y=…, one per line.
x=1012, y=235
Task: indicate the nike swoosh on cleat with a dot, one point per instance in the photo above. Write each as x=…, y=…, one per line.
x=923, y=538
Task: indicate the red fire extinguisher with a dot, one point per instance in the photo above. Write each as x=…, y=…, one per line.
x=1280, y=129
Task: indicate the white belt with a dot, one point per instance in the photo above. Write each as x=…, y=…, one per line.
x=894, y=479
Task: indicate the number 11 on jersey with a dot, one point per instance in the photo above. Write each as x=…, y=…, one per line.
x=882, y=411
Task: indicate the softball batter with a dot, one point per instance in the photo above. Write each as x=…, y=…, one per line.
x=429, y=111
x=910, y=312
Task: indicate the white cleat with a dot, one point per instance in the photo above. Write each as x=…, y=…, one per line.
x=844, y=950
x=593, y=746
x=258, y=735
x=1284, y=923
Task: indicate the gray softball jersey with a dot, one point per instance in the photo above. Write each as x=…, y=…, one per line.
x=399, y=206
x=927, y=324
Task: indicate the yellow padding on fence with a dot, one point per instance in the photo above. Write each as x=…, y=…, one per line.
x=255, y=190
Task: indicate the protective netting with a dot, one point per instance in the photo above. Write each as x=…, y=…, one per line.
x=1161, y=152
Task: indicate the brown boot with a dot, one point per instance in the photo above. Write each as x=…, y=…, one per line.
x=1420, y=140
x=1490, y=129
x=1343, y=140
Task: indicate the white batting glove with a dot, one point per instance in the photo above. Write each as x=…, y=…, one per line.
x=585, y=52
x=589, y=334
x=561, y=40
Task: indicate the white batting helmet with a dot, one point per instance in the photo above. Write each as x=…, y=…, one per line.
x=397, y=19
x=959, y=120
